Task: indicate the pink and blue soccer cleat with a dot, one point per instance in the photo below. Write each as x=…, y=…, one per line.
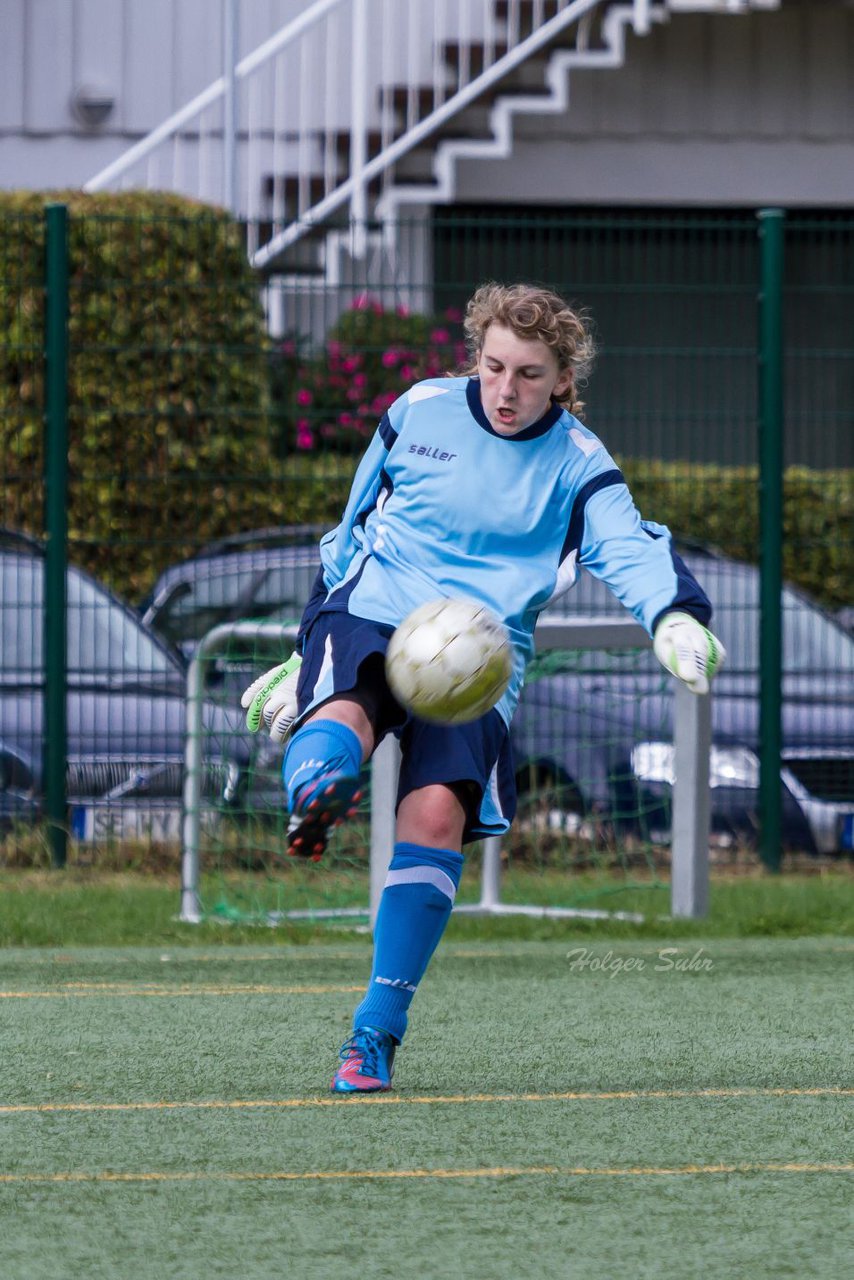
x=367, y=1060
x=320, y=808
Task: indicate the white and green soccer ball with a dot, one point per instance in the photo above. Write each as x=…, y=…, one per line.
x=449, y=661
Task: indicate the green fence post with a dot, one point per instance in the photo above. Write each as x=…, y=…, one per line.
x=56, y=527
x=771, y=239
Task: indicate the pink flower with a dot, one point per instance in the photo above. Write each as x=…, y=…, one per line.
x=304, y=396
x=345, y=419
x=359, y=379
x=453, y=315
x=440, y=336
x=350, y=363
x=390, y=358
x=380, y=403
x=407, y=372
x=401, y=310
x=305, y=437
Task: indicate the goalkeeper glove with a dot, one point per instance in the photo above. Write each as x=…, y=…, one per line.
x=688, y=649
x=273, y=699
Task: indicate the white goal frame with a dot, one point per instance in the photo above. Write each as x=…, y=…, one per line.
x=692, y=732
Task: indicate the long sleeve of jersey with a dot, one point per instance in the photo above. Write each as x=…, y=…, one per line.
x=442, y=505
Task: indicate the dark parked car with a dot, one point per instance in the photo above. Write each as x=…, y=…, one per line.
x=253, y=575
x=125, y=710
x=618, y=759
x=597, y=741
x=845, y=618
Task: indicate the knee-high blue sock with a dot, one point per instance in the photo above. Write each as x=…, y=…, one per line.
x=320, y=749
x=414, y=908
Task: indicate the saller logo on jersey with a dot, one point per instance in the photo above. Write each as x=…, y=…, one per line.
x=431, y=453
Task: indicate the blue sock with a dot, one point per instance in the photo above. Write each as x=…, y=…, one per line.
x=323, y=748
x=414, y=908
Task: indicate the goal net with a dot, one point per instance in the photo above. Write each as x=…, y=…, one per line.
x=593, y=742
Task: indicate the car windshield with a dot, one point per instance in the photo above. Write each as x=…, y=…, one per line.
x=208, y=593
x=103, y=638
x=812, y=642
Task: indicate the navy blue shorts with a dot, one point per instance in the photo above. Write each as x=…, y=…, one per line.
x=345, y=654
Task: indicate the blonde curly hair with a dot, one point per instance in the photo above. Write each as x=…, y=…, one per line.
x=533, y=314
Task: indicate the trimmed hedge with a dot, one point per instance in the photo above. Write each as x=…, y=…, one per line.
x=720, y=506
x=172, y=437
x=169, y=432
x=703, y=503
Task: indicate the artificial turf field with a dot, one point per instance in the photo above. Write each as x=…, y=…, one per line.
x=164, y=1113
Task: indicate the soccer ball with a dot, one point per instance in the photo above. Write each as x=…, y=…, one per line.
x=449, y=661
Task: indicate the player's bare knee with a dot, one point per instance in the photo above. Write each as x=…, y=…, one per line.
x=347, y=710
x=433, y=816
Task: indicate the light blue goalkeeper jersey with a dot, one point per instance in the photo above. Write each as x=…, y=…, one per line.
x=442, y=505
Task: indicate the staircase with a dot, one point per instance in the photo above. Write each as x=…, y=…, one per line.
x=320, y=138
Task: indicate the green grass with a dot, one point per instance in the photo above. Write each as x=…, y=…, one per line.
x=581, y=1106
x=80, y=907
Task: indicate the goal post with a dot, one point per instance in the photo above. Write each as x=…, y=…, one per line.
x=690, y=802
x=691, y=811
x=266, y=637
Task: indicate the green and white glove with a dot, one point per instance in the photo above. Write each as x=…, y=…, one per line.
x=688, y=649
x=272, y=698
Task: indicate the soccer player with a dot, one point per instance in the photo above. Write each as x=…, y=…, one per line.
x=484, y=485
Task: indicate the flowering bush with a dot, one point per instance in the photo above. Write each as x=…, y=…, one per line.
x=335, y=398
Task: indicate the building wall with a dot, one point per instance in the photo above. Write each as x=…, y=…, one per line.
x=154, y=55
x=750, y=109
x=743, y=110
x=151, y=56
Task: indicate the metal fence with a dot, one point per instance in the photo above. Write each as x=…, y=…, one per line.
x=691, y=735
x=162, y=404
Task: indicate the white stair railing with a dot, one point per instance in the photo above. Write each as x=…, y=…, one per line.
x=449, y=95
x=317, y=115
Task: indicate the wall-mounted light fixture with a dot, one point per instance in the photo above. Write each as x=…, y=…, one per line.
x=92, y=105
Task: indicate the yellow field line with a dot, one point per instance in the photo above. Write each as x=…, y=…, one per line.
x=392, y=1099
x=80, y=990
x=510, y=1171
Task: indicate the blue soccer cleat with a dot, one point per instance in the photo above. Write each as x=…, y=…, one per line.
x=320, y=808
x=367, y=1060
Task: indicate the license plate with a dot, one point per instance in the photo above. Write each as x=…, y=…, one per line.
x=104, y=823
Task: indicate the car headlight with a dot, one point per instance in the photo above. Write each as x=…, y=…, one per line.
x=728, y=766
x=654, y=762
x=733, y=767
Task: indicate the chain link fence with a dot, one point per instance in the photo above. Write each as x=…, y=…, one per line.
x=214, y=420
